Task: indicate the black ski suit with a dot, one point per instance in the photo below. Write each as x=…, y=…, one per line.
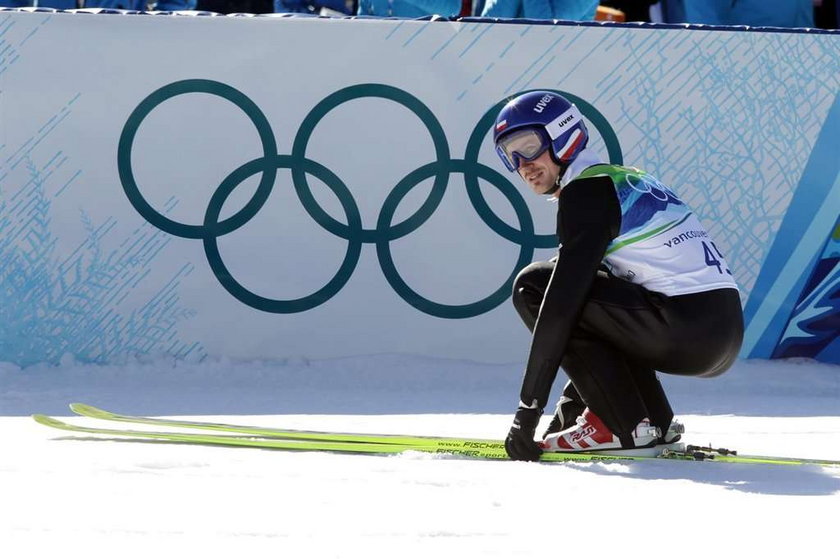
x=609, y=334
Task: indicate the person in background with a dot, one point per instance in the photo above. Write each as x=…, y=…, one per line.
x=172, y=5
x=409, y=8
x=56, y=4
x=633, y=10
x=139, y=5
x=345, y=7
x=826, y=14
x=755, y=13
x=638, y=286
x=236, y=6
x=574, y=10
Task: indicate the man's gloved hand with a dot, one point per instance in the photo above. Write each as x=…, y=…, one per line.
x=520, y=444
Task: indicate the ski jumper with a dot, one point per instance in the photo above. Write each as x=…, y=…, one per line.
x=638, y=286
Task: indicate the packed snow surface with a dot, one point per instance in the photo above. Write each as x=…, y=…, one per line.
x=73, y=496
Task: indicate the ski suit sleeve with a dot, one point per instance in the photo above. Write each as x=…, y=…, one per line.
x=589, y=217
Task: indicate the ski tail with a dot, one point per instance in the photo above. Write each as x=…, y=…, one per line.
x=224, y=440
x=86, y=410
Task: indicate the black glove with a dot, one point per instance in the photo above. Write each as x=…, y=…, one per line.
x=520, y=444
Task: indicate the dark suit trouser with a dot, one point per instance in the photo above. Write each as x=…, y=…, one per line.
x=625, y=333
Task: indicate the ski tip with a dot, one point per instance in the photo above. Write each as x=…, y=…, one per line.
x=85, y=409
x=46, y=420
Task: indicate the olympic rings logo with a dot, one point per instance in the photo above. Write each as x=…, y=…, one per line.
x=646, y=184
x=352, y=231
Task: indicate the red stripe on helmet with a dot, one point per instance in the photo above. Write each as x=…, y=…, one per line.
x=573, y=147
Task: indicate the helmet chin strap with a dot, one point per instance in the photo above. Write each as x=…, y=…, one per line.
x=554, y=188
x=557, y=182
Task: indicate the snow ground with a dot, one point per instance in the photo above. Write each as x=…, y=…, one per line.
x=67, y=496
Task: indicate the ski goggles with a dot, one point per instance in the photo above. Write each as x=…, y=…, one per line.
x=522, y=145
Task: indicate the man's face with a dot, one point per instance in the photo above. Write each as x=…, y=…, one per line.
x=541, y=173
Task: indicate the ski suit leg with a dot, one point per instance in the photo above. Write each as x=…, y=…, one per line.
x=625, y=333
x=604, y=381
x=594, y=368
x=529, y=290
x=659, y=408
x=696, y=335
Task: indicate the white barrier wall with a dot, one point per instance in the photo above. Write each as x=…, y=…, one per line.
x=281, y=187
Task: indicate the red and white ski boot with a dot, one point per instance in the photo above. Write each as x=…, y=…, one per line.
x=591, y=435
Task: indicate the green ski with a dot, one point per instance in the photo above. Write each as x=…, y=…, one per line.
x=290, y=439
x=488, y=450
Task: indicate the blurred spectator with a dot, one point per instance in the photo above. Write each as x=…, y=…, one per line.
x=634, y=10
x=172, y=5
x=826, y=14
x=314, y=7
x=140, y=5
x=575, y=10
x=117, y=4
x=409, y=8
x=756, y=13
x=57, y=4
x=236, y=6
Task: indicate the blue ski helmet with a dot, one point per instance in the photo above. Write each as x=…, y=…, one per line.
x=558, y=122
